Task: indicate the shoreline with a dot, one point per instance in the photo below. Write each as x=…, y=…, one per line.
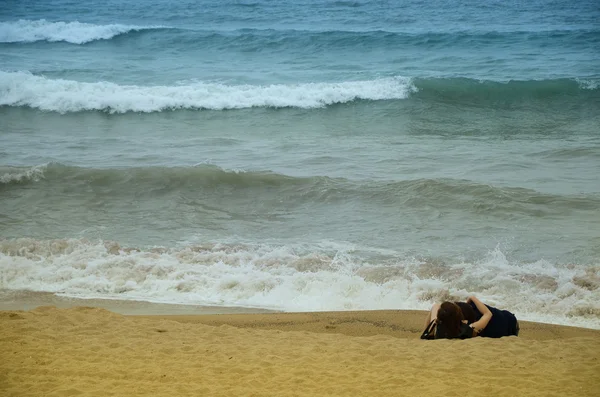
x=396, y=323
x=412, y=323
x=28, y=300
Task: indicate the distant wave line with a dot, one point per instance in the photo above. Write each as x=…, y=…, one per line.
x=75, y=32
x=28, y=31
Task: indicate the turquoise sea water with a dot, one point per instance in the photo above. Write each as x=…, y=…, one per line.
x=306, y=155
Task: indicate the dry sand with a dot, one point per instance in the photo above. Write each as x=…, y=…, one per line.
x=90, y=351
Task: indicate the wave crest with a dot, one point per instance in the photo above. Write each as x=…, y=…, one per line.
x=28, y=31
x=9, y=175
x=506, y=93
x=26, y=89
x=415, y=193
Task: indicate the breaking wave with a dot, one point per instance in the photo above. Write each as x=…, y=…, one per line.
x=25, y=89
x=297, y=278
x=27, y=31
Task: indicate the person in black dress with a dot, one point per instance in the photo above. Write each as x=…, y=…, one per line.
x=471, y=318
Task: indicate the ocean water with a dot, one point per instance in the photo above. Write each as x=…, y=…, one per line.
x=303, y=155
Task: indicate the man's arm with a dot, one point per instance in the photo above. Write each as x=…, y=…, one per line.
x=479, y=325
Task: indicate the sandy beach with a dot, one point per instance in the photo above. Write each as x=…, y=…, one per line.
x=88, y=351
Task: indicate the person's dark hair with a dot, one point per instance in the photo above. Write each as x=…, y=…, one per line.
x=449, y=319
x=467, y=311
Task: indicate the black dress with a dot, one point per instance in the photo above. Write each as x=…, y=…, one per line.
x=502, y=323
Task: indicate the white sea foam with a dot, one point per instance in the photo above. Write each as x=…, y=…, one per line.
x=27, y=31
x=17, y=174
x=587, y=84
x=25, y=89
x=288, y=278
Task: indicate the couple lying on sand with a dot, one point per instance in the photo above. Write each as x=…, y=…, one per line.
x=460, y=320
